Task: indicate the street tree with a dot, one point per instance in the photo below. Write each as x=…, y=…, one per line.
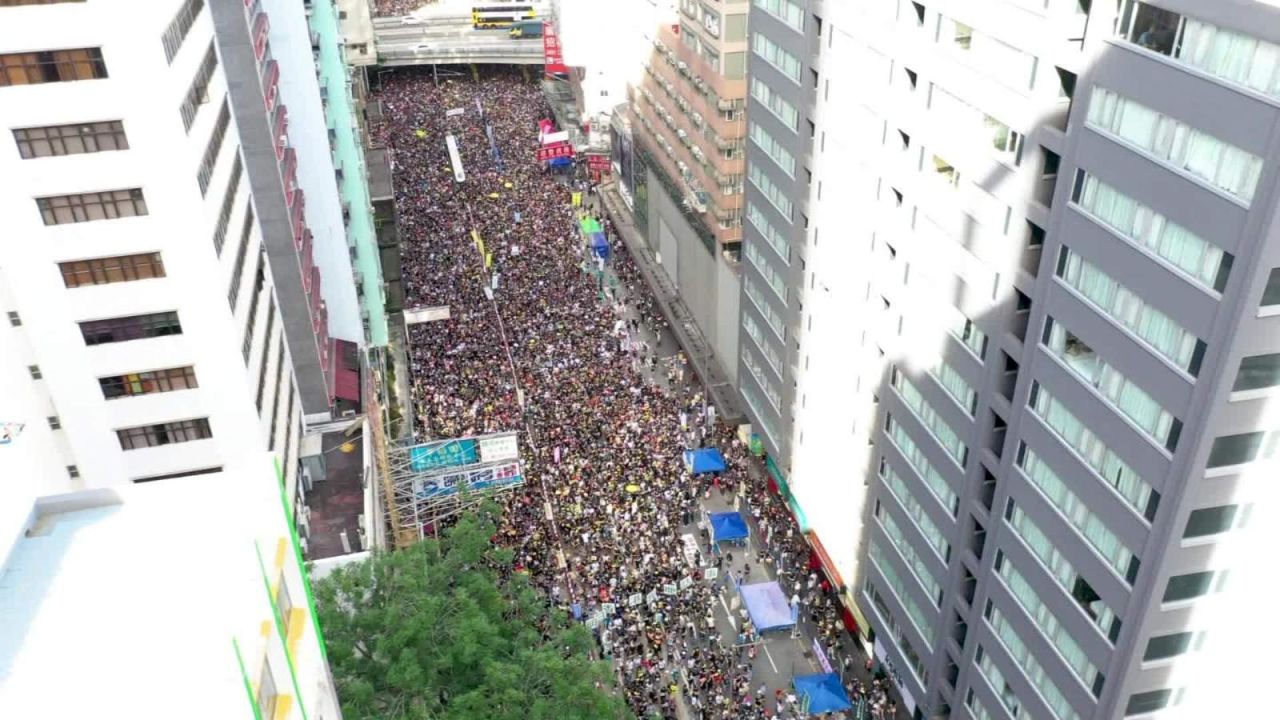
x=443, y=630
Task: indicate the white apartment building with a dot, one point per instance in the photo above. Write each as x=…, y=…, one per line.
x=170, y=209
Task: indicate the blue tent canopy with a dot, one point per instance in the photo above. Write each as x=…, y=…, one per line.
x=560, y=162
x=728, y=526
x=767, y=606
x=823, y=693
x=599, y=245
x=704, y=460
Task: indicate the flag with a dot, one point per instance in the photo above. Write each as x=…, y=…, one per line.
x=420, y=133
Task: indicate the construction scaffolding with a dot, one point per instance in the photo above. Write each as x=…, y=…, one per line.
x=433, y=481
x=376, y=406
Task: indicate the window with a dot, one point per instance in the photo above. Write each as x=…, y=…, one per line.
x=917, y=615
x=776, y=240
x=1271, y=293
x=987, y=668
x=787, y=11
x=1258, y=372
x=771, y=316
x=775, y=103
x=179, y=474
x=1162, y=647
x=964, y=330
x=1156, y=329
x=1210, y=521
x=73, y=139
x=148, y=382
x=929, y=417
x=1048, y=553
x=915, y=564
x=1094, y=452
x=198, y=92
x=55, y=422
x=104, y=271
x=259, y=279
x=925, y=524
x=757, y=335
x=1188, y=586
x=774, y=194
x=132, y=327
x=87, y=207
x=48, y=66
x=946, y=171
x=228, y=202
x=34, y=370
x=267, y=697
x=1078, y=514
x=937, y=484
x=780, y=156
x=1029, y=664
x=1152, y=232
x=1148, y=702
x=15, y=319
x=210, y=158
x=784, y=61
x=169, y=433
x=179, y=26
x=275, y=399
x=961, y=35
x=775, y=279
x=976, y=125
x=284, y=604
x=1009, y=65
x=266, y=352
x=1048, y=623
x=1232, y=56
x=73, y=471
x=1196, y=153
x=237, y=269
x=754, y=403
x=956, y=386
x=1243, y=448
x=1121, y=391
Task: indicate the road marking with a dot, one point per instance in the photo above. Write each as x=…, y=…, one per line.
x=732, y=623
x=769, y=655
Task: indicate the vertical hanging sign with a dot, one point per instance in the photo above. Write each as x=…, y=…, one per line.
x=552, y=57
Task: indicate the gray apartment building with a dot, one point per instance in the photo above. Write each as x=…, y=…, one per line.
x=1043, y=235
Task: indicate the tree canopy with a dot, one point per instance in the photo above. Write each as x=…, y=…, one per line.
x=444, y=631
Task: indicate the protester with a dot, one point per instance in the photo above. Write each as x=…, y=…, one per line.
x=605, y=415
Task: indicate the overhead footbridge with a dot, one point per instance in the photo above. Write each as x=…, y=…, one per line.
x=449, y=40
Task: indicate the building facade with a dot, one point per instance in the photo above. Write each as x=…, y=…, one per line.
x=689, y=134
x=1035, y=321
x=219, y=623
x=166, y=173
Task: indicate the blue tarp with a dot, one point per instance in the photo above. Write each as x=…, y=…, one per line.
x=728, y=526
x=767, y=606
x=600, y=245
x=823, y=693
x=560, y=162
x=704, y=460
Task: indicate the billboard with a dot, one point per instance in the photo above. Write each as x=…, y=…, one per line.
x=552, y=55
x=549, y=152
x=444, y=467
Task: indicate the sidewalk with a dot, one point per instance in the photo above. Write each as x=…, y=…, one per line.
x=701, y=356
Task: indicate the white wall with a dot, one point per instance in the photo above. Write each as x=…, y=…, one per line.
x=611, y=41
x=291, y=46
x=145, y=93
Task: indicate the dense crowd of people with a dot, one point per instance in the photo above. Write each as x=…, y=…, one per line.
x=577, y=364
x=397, y=8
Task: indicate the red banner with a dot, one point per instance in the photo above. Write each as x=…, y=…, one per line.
x=548, y=152
x=600, y=163
x=552, y=57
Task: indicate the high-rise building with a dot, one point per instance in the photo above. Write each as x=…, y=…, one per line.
x=182, y=599
x=171, y=182
x=689, y=135
x=1018, y=372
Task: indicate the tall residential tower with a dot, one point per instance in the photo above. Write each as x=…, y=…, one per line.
x=1030, y=315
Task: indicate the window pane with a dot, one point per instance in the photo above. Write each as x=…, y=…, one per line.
x=1167, y=646
x=1258, y=371
x=1210, y=521
x=1186, y=587
x=1235, y=449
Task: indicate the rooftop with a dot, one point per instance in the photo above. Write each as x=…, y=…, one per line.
x=131, y=598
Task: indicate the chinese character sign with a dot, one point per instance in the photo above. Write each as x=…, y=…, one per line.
x=550, y=152
x=552, y=56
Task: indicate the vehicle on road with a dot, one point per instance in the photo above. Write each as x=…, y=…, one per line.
x=501, y=15
x=526, y=29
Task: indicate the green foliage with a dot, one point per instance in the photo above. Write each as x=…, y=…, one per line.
x=442, y=631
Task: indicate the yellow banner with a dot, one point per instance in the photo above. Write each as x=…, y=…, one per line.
x=475, y=236
x=488, y=260
x=577, y=199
